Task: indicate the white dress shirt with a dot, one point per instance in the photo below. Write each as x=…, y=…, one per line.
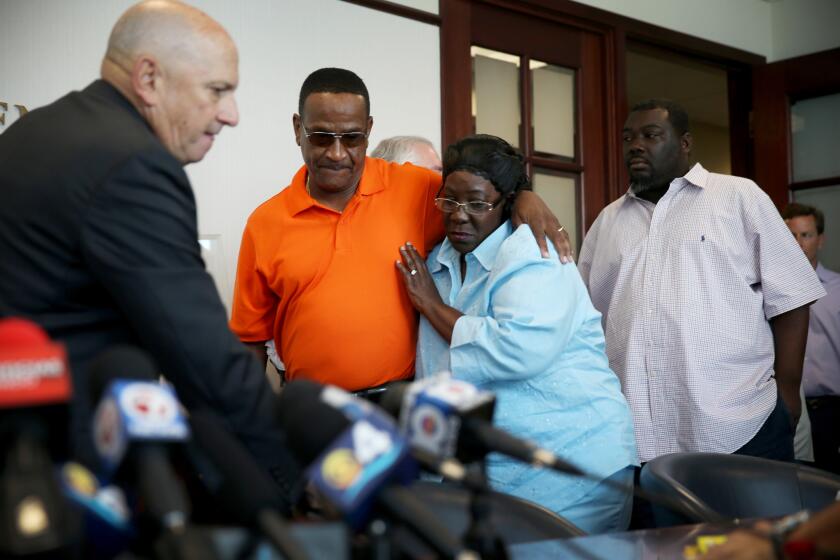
x=686, y=288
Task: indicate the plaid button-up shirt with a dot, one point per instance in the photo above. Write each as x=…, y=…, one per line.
x=687, y=287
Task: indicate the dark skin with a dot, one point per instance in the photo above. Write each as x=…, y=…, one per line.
x=655, y=154
x=465, y=232
x=790, y=332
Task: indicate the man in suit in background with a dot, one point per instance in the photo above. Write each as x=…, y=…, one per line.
x=98, y=235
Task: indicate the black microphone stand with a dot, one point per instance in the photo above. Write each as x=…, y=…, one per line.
x=480, y=535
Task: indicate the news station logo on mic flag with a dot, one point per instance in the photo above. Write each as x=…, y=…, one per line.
x=434, y=409
x=136, y=411
x=360, y=461
x=33, y=369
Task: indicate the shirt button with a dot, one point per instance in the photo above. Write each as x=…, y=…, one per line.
x=650, y=311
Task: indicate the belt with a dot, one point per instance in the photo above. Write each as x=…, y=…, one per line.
x=374, y=394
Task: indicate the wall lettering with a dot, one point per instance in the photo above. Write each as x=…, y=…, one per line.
x=4, y=109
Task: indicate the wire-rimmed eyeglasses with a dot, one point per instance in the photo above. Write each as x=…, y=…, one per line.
x=474, y=207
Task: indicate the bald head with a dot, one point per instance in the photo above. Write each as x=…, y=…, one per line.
x=170, y=31
x=179, y=68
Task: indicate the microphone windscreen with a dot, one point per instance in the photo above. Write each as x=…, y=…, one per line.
x=309, y=423
x=119, y=362
x=16, y=332
x=246, y=489
x=299, y=390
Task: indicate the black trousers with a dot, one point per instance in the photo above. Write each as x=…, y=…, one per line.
x=825, y=431
x=775, y=438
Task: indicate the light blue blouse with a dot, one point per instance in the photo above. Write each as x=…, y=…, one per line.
x=531, y=335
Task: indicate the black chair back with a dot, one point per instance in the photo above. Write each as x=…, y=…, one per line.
x=714, y=485
x=514, y=519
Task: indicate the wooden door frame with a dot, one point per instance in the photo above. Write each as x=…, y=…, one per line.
x=615, y=31
x=775, y=85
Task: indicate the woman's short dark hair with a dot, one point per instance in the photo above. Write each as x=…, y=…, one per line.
x=489, y=157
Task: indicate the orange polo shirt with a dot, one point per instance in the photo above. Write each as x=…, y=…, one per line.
x=323, y=283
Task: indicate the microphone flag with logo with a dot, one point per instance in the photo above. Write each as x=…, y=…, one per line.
x=35, y=386
x=433, y=410
x=136, y=410
x=365, y=456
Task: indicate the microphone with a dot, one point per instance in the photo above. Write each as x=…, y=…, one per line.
x=456, y=406
x=137, y=422
x=449, y=417
x=35, y=384
x=241, y=485
x=107, y=520
x=355, y=457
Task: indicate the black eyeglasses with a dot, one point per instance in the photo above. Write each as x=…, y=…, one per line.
x=327, y=139
x=474, y=207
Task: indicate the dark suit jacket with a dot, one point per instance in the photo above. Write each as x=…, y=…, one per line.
x=99, y=245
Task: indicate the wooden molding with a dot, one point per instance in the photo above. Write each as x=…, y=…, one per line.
x=399, y=10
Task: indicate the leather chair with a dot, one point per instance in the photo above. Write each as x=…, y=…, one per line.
x=515, y=520
x=716, y=487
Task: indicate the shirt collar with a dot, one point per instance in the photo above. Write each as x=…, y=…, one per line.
x=697, y=176
x=485, y=253
x=370, y=183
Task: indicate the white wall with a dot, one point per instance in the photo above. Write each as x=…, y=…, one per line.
x=804, y=27
x=774, y=29
x=743, y=24
x=52, y=46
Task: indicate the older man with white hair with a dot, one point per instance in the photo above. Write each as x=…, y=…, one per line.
x=98, y=235
x=409, y=149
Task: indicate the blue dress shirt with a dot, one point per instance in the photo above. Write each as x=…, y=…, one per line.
x=531, y=335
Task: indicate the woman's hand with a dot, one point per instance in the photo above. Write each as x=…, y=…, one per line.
x=424, y=294
x=529, y=208
x=418, y=282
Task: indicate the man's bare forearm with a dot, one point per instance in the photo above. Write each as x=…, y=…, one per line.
x=790, y=332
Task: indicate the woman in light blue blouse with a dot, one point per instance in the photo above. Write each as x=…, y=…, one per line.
x=497, y=315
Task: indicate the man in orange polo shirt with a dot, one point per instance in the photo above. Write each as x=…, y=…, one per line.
x=316, y=266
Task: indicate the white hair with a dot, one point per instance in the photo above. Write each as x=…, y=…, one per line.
x=398, y=148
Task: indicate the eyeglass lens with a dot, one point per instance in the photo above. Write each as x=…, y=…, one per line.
x=326, y=139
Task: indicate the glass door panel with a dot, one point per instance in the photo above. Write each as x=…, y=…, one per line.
x=560, y=193
x=553, y=113
x=815, y=137
x=495, y=94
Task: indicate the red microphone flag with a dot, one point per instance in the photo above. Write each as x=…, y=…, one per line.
x=33, y=368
